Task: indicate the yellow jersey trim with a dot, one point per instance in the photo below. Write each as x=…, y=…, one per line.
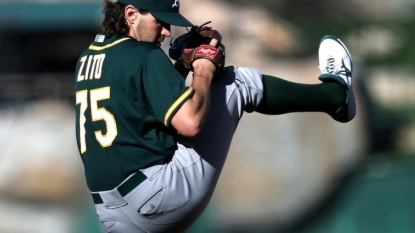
x=97, y=48
x=179, y=101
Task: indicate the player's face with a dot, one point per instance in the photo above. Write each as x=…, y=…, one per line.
x=151, y=29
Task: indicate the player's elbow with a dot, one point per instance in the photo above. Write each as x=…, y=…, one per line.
x=188, y=126
x=191, y=128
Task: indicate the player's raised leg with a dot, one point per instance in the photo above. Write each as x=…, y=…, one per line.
x=333, y=96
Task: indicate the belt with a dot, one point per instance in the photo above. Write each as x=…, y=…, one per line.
x=125, y=187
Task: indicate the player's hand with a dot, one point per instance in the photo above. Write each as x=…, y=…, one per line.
x=203, y=64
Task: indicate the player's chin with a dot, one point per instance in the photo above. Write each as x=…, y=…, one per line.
x=159, y=41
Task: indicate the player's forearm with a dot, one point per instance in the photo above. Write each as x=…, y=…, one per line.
x=190, y=118
x=201, y=100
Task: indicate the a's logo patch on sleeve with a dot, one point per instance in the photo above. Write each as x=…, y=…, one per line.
x=99, y=38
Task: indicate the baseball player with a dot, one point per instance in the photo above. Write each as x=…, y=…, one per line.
x=152, y=147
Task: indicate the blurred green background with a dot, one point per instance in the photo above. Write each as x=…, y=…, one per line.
x=299, y=173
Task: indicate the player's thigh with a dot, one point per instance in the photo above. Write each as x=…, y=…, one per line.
x=231, y=93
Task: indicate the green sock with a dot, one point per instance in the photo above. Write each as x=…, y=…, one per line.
x=282, y=96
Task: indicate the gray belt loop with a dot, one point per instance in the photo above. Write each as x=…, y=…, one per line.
x=112, y=199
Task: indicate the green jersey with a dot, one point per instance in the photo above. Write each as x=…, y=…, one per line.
x=126, y=94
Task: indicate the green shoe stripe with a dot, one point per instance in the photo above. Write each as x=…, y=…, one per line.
x=333, y=78
x=348, y=72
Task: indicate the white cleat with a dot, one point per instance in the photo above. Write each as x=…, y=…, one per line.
x=336, y=65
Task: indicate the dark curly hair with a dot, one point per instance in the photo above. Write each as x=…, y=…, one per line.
x=114, y=18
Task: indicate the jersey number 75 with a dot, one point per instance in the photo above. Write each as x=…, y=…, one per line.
x=97, y=114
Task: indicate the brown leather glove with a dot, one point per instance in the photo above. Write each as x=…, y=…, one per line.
x=194, y=45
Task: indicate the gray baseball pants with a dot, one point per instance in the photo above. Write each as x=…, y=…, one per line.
x=176, y=192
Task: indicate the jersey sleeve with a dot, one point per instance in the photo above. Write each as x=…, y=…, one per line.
x=163, y=86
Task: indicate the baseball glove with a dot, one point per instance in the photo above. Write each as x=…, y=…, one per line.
x=194, y=45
